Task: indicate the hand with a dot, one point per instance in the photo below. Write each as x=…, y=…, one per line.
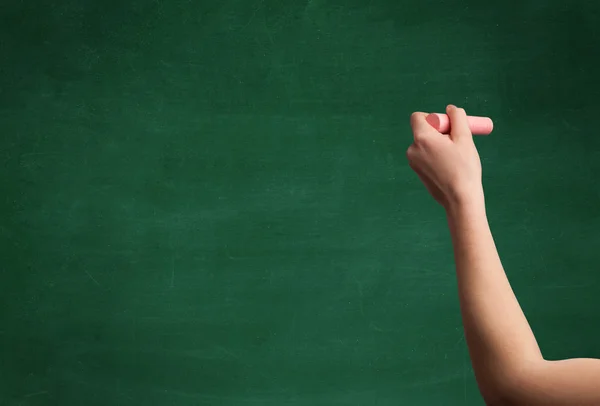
x=448, y=165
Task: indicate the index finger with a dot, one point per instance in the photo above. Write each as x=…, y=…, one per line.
x=418, y=122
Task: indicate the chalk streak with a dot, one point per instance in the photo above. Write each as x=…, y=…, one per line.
x=254, y=14
x=30, y=395
x=91, y=277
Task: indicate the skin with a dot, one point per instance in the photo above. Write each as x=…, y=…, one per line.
x=508, y=364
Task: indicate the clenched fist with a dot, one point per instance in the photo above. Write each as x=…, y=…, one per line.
x=448, y=164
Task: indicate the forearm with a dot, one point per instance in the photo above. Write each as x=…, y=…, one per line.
x=507, y=361
x=498, y=335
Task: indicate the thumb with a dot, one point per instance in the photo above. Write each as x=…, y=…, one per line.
x=459, y=125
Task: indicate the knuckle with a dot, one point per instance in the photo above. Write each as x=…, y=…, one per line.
x=455, y=110
x=414, y=117
x=420, y=137
x=411, y=154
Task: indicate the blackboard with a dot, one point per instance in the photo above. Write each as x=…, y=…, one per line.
x=208, y=203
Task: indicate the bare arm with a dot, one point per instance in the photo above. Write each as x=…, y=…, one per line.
x=505, y=355
x=506, y=358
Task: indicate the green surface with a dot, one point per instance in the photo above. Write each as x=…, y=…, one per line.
x=208, y=203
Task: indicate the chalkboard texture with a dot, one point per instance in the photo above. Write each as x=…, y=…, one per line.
x=208, y=202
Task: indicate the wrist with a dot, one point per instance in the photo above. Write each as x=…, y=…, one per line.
x=467, y=205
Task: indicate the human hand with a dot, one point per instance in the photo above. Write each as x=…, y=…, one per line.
x=448, y=165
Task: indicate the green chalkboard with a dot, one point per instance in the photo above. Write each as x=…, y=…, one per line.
x=208, y=202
